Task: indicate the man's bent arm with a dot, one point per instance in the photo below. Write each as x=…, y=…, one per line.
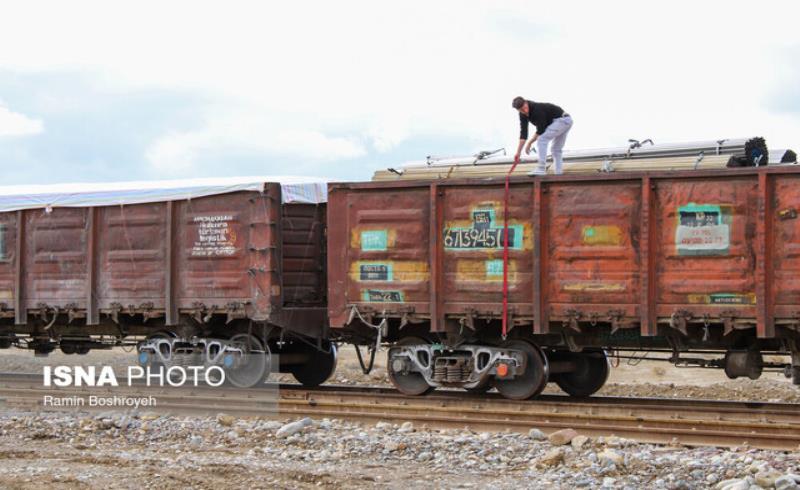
x=530, y=143
x=519, y=146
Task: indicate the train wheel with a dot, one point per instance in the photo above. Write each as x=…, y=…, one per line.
x=252, y=368
x=532, y=381
x=68, y=348
x=320, y=367
x=409, y=383
x=591, y=373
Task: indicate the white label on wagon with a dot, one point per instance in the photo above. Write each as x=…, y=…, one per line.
x=215, y=236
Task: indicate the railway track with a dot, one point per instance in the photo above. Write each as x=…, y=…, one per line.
x=688, y=422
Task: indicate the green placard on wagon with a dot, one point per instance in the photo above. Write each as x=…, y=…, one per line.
x=374, y=240
x=494, y=268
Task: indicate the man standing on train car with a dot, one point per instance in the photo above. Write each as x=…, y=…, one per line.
x=552, y=124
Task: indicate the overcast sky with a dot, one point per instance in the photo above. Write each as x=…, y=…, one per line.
x=94, y=91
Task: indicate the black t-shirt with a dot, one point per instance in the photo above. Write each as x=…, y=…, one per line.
x=540, y=114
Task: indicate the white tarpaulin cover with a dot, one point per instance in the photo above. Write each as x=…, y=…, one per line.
x=309, y=190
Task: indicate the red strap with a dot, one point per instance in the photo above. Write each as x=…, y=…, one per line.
x=505, y=252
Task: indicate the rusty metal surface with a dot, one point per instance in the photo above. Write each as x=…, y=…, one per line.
x=54, y=260
x=473, y=250
x=240, y=255
x=593, y=249
x=132, y=254
x=786, y=246
x=304, y=255
x=706, y=246
x=635, y=250
x=369, y=261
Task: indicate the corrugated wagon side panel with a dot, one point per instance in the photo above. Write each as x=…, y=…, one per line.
x=651, y=250
x=706, y=247
x=786, y=257
x=227, y=251
x=218, y=255
x=54, y=260
x=473, y=240
x=212, y=258
x=132, y=255
x=8, y=240
x=381, y=239
x=593, y=250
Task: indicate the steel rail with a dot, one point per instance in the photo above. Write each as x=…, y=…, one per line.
x=689, y=422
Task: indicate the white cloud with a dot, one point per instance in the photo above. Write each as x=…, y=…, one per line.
x=327, y=80
x=16, y=124
x=245, y=134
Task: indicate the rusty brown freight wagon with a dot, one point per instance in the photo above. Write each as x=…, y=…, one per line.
x=205, y=271
x=704, y=261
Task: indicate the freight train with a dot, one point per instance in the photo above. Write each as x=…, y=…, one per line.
x=473, y=275
x=226, y=272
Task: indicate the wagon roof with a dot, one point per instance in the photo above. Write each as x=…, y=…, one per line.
x=309, y=190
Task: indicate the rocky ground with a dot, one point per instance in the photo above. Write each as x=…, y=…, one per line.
x=72, y=449
x=127, y=450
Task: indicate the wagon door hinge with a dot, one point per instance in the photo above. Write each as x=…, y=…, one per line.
x=148, y=311
x=365, y=314
x=116, y=309
x=469, y=318
x=72, y=312
x=679, y=320
x=42, y=313
x=572, y=320
x=728, y=320
x=43, y=307
x=197, y=311
x=210, y=313
x=706, y=324
x=615, y=317
x=407, y=316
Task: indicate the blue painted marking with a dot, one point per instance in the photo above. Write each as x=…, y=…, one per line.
x=494, y=267
x=374, y=240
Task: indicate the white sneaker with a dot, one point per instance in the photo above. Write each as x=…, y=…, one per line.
x=537, y=171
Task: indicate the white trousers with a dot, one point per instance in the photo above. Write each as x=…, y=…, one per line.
x=557, y=133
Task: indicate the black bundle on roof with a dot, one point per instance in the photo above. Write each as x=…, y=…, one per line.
x=755, y=154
